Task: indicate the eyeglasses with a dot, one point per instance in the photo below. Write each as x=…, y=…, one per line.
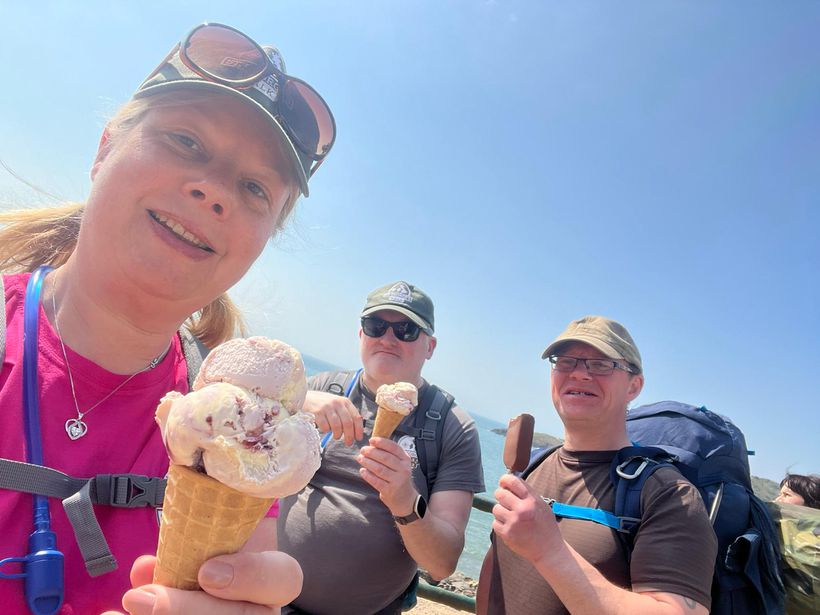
x=596, y=367
x=224, y=55
x=405, y=330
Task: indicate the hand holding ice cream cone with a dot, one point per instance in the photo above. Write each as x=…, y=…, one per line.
x=236, y=442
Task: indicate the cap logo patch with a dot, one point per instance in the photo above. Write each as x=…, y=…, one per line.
x=399, y=293
x=275, y=57
x=269, y=86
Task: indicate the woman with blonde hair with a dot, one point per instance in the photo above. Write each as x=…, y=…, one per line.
x=192, y=178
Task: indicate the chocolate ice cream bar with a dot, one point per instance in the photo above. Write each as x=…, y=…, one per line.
x=518, y=445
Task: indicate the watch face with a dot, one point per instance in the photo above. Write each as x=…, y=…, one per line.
x=421, y=507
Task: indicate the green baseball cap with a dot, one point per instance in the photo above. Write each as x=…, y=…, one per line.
x=405, y=299
x=608, y=336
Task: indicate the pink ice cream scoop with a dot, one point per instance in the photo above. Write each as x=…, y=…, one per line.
x=242, y=423
x=269, y=368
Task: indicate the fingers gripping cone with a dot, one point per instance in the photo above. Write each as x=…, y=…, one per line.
x=395, y=402
x=201, y=518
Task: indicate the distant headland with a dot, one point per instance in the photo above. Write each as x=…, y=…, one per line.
x=539, y=440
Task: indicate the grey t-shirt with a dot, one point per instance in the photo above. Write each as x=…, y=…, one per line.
x=342, y=535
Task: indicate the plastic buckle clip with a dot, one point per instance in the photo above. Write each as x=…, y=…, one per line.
x=130, y=490
x=426, y=434
x=627, y=524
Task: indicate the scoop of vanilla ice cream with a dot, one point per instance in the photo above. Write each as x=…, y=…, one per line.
x=245, y=441
x=400, y=397
x=267, y=367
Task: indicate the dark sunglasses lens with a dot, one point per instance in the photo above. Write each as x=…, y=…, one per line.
x=225, y=54
x=406, y=331
x=308, y=118
x=374, y=327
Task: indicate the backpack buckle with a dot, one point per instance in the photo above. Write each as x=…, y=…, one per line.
x=628, y=524
x=434, y=415
x=426, y=434
x=621, y=471
x=129, y=490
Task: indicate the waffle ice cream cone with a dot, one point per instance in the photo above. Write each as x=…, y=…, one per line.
x=386, y=422
x=236, y=442
x=201, y=518
x=395, y=402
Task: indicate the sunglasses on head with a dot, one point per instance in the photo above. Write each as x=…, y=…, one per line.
x=224, y=55
x=405, y=330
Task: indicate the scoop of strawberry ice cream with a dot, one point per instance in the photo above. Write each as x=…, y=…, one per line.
x=264, y=366
x=251, y=437
x=400, y=397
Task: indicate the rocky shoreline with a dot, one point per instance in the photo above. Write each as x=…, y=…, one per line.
x=457, y=582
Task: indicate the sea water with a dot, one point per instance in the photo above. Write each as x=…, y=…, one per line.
x=477, y=537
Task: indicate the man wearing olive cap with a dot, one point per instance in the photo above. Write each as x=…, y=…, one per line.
x=378, y=508
x=537, y=564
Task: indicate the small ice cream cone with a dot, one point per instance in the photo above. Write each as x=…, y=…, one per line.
x=395, y=402
x=386, y=422
x=201, y=518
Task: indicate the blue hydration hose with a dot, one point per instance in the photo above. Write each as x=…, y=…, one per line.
x=43, y=566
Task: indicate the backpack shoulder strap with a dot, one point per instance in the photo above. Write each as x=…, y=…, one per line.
x=194, y=351
x=570, y=511
x=630, y=469
x=429, y=423
x=340, y=383
x=2, y=323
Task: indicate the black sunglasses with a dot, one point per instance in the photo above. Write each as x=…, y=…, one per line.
x=405, y=330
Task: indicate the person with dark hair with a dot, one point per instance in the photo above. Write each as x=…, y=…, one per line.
x=192, y=178
x=800, y=489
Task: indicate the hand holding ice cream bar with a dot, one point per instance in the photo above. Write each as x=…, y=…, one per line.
x=236, y=442
x=395, y=401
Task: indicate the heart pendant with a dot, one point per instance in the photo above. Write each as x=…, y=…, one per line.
x=75, y=428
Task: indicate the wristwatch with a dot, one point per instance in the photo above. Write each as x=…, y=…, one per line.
x=419, y=508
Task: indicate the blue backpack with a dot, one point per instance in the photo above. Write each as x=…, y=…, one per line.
x=710, y=452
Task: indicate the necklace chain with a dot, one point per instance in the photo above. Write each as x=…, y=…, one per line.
x=76, y=428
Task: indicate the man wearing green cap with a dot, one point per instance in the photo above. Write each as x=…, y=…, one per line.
x=538, y=565
x=379, y=508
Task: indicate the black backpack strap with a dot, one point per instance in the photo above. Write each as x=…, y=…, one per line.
x=339, y=383
x=194, y=351
x=431, y=423
x=427, y=430
x=78, y=495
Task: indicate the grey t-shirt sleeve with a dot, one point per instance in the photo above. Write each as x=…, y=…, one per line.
x=460, y=461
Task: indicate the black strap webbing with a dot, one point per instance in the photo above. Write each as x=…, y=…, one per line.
x=78, y=496
x=96, y=553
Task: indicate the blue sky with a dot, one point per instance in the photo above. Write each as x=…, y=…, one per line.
x=525, y=163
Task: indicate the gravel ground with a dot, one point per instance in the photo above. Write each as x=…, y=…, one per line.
x=427, y=607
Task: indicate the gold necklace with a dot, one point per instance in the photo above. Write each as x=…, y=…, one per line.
x=76, y=428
